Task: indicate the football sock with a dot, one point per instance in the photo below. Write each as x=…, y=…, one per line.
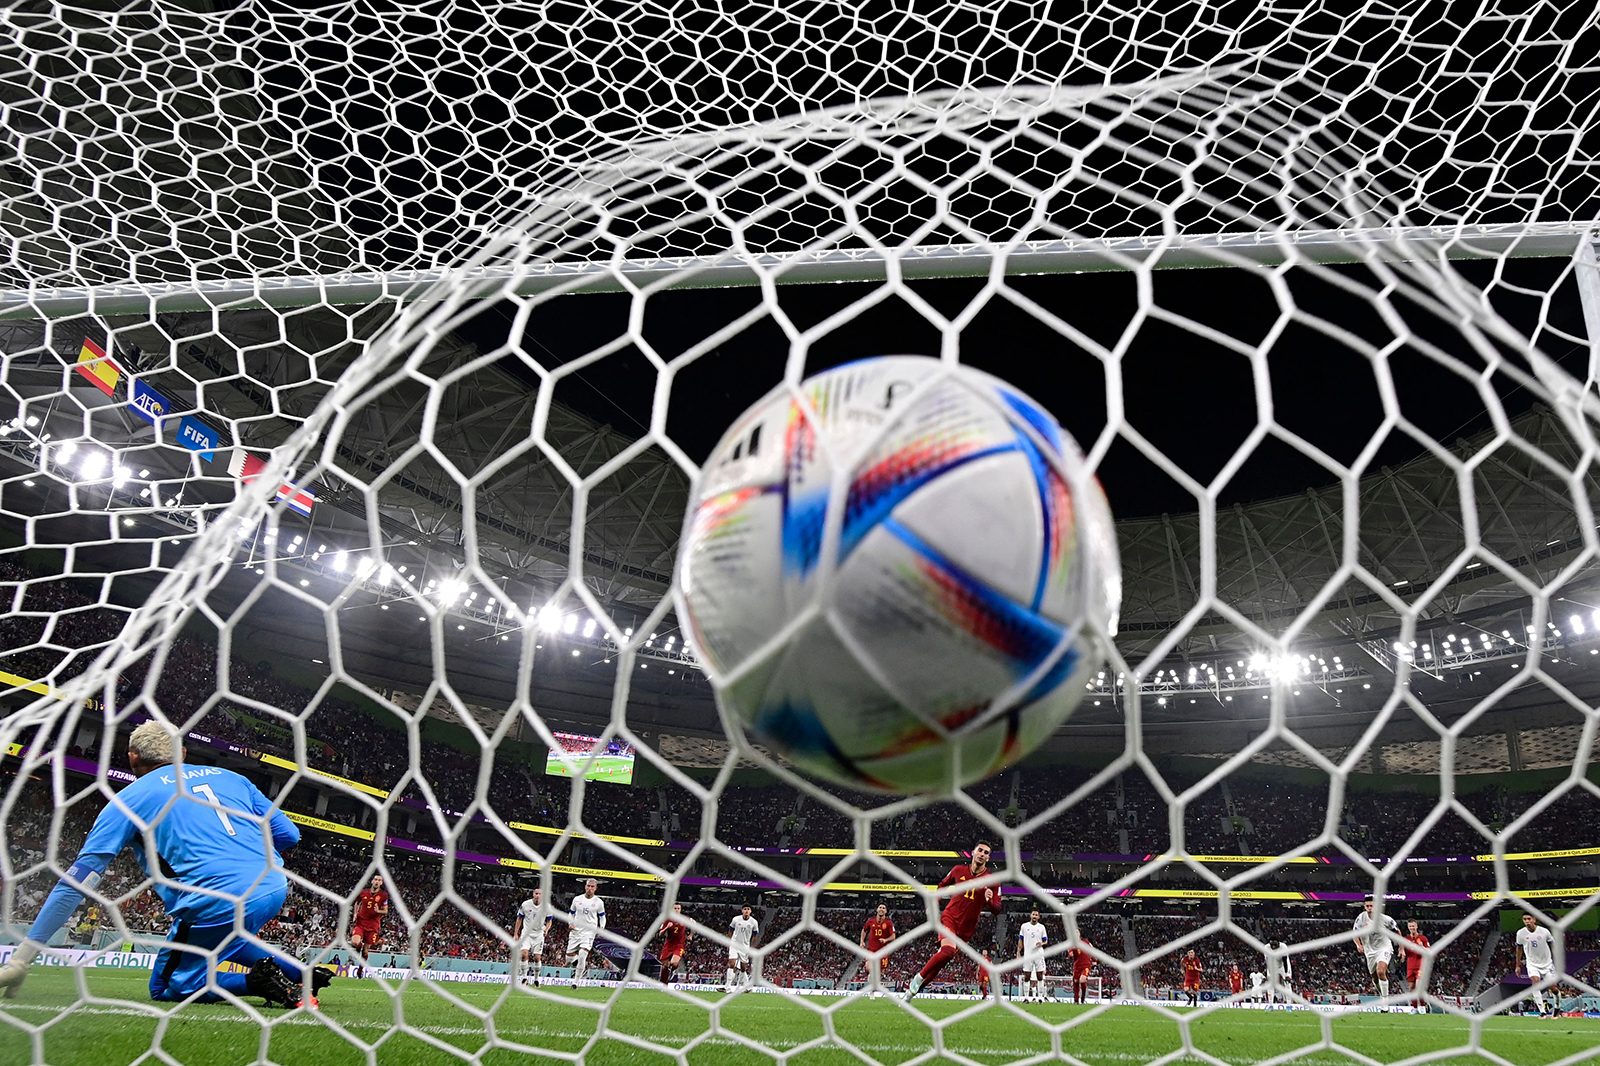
x=1383, y=987
x=940, y=959
x=1538, y=999
x=729, y=982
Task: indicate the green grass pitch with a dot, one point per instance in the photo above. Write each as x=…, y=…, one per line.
x=605, y=768
x=449, y=1026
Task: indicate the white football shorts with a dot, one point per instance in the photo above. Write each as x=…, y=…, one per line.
x=1384, y=955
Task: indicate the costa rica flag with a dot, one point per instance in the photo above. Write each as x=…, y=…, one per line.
x=247, y=468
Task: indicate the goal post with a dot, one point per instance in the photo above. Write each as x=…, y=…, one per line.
x=384, y=549
x=1175, y=252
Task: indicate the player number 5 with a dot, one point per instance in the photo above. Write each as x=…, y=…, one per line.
x=205, y=790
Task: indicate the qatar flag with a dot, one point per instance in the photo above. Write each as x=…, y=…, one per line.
x=247, y=468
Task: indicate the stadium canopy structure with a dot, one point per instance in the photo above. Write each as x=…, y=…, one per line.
x=253, y=195
x=1273, y=557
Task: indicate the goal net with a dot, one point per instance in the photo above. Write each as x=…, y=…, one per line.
x=354, y=417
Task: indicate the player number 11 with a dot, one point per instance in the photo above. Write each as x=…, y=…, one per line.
x=205, y=790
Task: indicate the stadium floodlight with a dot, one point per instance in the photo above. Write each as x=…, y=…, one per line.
x=341, y=559
x=93, y=465
x=550, y=618
x=1575, y=623
x=588, y=627
x=570, y=624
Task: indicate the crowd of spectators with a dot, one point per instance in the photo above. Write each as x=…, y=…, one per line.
x=471, y=921
x=58, y=624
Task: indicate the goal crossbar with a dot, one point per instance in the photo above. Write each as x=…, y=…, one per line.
x=1332, y=246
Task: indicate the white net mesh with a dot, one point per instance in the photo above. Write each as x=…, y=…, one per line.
x=1352, y=459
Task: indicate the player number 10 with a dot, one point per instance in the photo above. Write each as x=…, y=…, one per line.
x=205, y=790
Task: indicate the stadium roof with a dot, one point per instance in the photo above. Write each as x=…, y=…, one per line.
x=263, y=147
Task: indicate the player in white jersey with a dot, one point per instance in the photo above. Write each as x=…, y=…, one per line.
x=1535, y=950
x=588, y=915
x=1258, y=986
x=1031, y=939
x=533, y=925
x=743, y=931
x=1373, y=941
x=1285, y=973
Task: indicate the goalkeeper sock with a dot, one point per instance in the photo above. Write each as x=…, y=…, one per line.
x=941, y=958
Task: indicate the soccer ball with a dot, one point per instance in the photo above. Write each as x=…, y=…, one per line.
x=898, y=575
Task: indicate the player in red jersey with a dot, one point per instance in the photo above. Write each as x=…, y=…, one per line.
x=960, y=917
x=1082, y=963
x=877, y=932
x=674, y=938
x=1414, y=935
x=371, y=905
x=985, y=974
x=1235, y=979
x=1191, y=977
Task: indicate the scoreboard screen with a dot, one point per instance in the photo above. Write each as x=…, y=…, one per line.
x=614, y=763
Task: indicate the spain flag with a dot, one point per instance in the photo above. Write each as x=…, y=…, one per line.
x=98, y=367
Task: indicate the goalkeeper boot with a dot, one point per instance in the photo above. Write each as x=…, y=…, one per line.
x=320, y=978
x=267, y=980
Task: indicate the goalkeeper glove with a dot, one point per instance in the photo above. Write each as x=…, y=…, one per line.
x=12, y=973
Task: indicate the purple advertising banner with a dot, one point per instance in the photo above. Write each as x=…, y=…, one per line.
x=83, y=766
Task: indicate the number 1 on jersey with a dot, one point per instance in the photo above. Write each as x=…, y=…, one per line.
x=205, y=790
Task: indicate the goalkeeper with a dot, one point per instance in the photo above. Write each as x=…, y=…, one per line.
x=208, y=836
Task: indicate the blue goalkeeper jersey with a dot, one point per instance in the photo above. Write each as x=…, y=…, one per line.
x=215, y=831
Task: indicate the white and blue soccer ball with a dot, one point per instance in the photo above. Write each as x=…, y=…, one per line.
x=899, y=575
